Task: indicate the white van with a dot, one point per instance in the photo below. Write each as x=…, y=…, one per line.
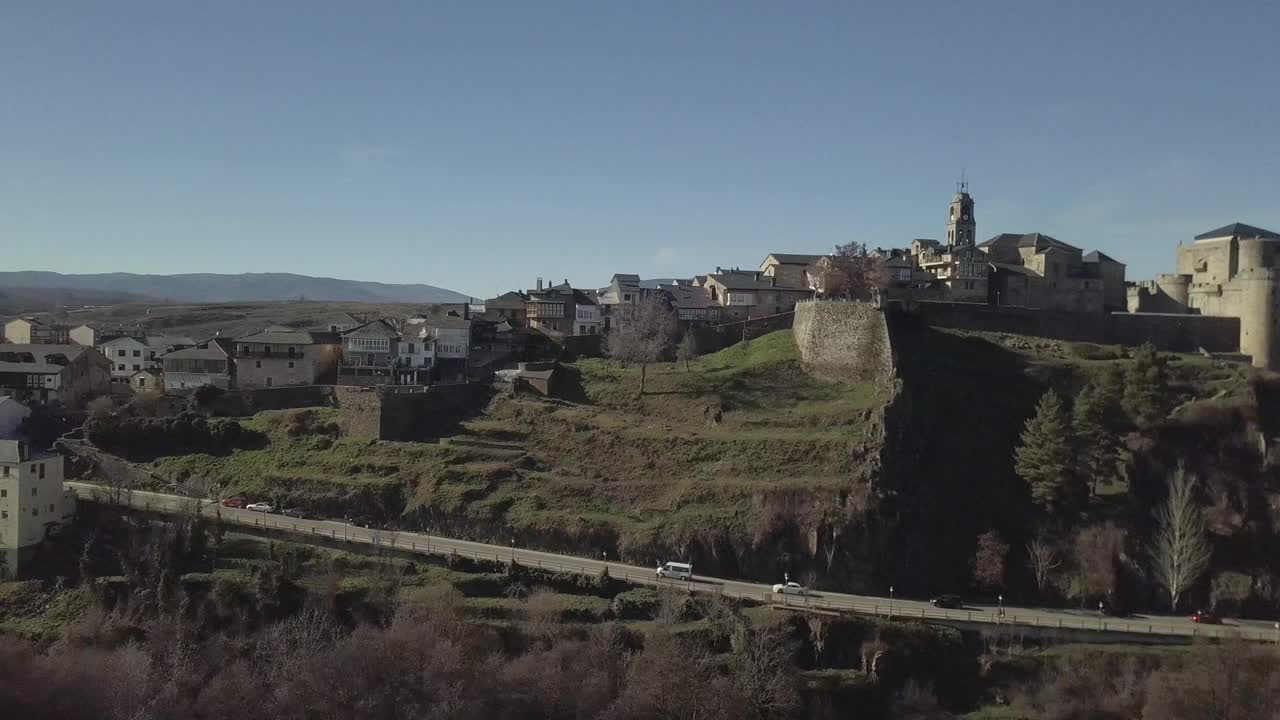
x=677, y=571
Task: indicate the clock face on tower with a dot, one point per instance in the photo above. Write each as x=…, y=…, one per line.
x=964, y=216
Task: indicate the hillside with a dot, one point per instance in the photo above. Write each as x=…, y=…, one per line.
x=601, y=469
x=244, y=287
x=16, y=300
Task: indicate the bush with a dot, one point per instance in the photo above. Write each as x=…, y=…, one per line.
x=1230, y=592
x=136, y=438
x=1090, y=351
x=638, y=604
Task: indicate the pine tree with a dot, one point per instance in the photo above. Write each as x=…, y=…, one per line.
x=1146, y=388
x=1045, y=458
x=1097, y=447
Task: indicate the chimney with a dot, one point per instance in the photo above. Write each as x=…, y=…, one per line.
x=566, y=281
x=539, y=283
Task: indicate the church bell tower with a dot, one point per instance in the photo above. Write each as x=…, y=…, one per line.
x=961, y=225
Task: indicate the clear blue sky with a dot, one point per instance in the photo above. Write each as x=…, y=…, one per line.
x=476, y=145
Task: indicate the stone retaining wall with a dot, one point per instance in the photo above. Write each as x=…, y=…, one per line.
x=845, y=341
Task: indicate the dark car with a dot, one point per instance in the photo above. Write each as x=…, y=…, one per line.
x=952, y=602
x=1204, y=617
x=239, y=501
x=295, y=513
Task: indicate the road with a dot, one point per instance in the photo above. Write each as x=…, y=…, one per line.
x=863, y=604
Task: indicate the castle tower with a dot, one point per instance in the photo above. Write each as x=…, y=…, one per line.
x=962, y=227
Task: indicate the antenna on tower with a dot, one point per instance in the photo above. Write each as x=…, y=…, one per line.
x=963, y=185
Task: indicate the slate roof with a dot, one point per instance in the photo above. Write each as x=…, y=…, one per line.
x=1011, y=267
x=1098, y=256
x=744, y=280
x=1039, y=241
x=374, y=328
x=281, y=336
x=212, y=349
x=1239, y=229
x=513, y=300
x=689, y=298
x=794, y=259
x=16, y=357
x=627, y=278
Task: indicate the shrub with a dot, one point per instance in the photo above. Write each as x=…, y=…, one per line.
x=638, y=604
x=1090, y=351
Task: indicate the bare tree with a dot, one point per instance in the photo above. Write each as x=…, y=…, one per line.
x=989, y=560
x=1045, y=559
x=851, y=272
x=645, y=338
x=1181, y=547
x=1096, y=550
x=688, y=348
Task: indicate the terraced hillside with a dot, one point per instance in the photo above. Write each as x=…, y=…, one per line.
x=740, y=462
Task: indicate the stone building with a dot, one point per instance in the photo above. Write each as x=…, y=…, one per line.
x=369, y=354
x=1031, y=270
x=1231, y=272
x=279, y=356
x=65, y=375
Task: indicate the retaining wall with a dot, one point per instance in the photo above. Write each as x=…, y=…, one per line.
x=846, y=341
x=1171, y=333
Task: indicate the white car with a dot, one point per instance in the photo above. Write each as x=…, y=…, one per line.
x=260, y=507
x=791, y=588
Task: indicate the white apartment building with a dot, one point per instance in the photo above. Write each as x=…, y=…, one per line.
x=587, y=320
x=33, y=501
x=128, y=354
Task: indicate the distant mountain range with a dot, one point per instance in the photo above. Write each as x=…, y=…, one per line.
x=211, y=287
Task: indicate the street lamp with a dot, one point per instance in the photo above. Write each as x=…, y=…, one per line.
x=604, y=555
x=1000, y=599
x=513, y=550
x=890, y=602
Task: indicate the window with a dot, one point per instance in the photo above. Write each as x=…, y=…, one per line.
x=410, y=348
x=142, y=382
x=268, y=382
x=120, y=353
x=626, y=297
x=4, y=493
x=368, y=344
x=120, y=366
x=257, y=363
x=4, y=472
x=50, y=508
x=136, y=367
x=41, y=471
x=137, y=353
x=33, y=490
x=35, y=512
x=290, y=364
x=4, y=514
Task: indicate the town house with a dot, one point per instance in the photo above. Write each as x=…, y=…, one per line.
x=743, y=294
x=285, y=356
x=34, y=331
x=33, y=502
x=437, y=345
x=553, y=311
x=369, y=354
x=65, y=375
x=130, y=354
x=209, y=363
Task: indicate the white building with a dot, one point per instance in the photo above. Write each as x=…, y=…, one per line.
x=128, y=355
x=33, y=502
x=440, y=338
x=587, y=319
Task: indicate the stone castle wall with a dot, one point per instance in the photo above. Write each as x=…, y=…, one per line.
x=1172, y=333
x=846, y=341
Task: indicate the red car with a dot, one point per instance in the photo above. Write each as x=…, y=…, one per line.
x=1206, y=618
x=238, y=501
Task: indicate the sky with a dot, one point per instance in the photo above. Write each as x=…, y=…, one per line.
x=477, y=145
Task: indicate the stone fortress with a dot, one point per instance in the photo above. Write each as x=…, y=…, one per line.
x=1227, y=272
x=1224, y=293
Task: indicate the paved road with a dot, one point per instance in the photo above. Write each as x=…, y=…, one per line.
x=863, y=604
